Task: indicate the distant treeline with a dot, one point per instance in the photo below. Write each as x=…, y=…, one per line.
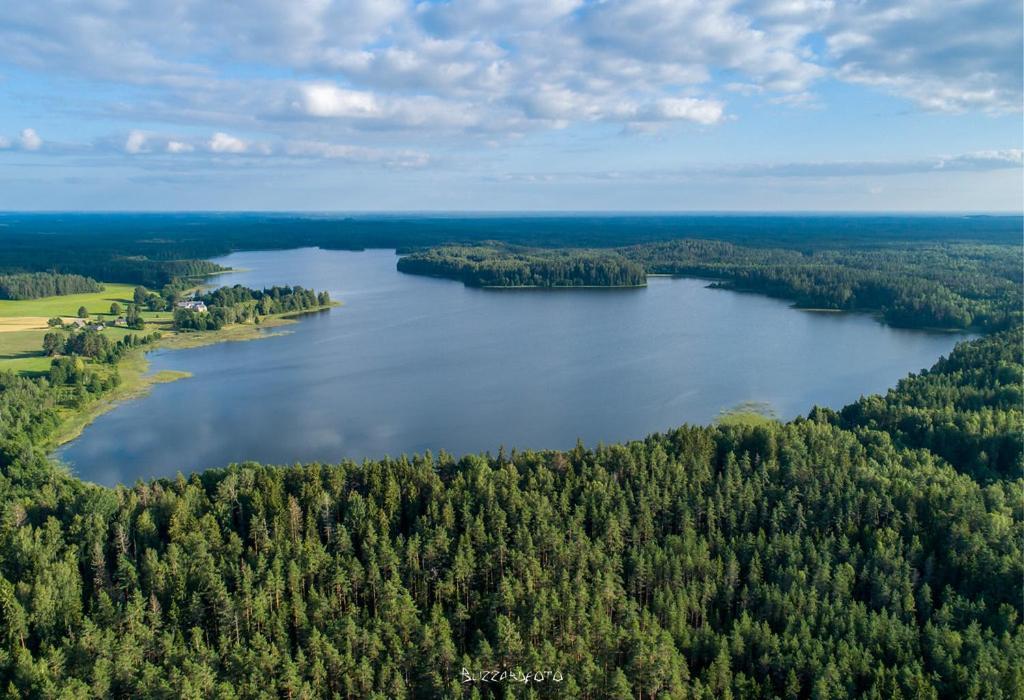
x=34, y=285
x=153, y=249
x=940, y=285
x=926, y=285
x=487, y=266
x=240, y=304
x=828, y=557
x=139, y=270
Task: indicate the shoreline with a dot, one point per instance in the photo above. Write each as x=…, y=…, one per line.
x=133, y=368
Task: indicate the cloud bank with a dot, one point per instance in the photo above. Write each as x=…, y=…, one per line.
x=488, y=65
x=491, y=90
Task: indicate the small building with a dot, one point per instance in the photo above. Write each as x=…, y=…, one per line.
x=121, y=322
x=95, y=326
x=77, y=322
x=192, y=305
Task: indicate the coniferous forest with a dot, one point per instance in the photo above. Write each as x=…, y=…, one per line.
x=872, y=551
x=489, y=266
x=34, y=285
x=937, y=285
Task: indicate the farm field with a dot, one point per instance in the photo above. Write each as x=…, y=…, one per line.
x=23, y=323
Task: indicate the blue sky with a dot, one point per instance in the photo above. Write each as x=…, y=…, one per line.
x=626, y=105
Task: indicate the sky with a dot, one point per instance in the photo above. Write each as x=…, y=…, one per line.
x=499, y=105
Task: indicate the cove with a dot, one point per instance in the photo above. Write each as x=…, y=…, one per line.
x=414, y=363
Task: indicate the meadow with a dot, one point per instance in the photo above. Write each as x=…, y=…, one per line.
x=23, y=323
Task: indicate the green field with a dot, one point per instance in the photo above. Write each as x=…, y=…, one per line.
x=21, y=350
x=96, y=302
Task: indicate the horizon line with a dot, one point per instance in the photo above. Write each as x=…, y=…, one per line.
x=528, y=212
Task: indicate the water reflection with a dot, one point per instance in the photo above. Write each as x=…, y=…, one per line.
x=413, y=363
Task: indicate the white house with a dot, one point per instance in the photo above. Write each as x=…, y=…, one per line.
x=197, y=306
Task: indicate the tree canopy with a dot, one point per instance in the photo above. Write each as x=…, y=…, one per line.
x=837, y=555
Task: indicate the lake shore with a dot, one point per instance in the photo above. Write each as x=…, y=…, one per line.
x=133, y=367
x=413, y=365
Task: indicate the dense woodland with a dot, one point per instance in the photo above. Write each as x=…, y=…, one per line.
x=946, y=285
x=240, y=304
x=966, y=409
x=153, y=249
x=798, y=560
x=874, y=551
x=949, y=285
x=34, y=285
x=490, y=266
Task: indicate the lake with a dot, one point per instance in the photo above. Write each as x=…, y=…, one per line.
x=413, y=363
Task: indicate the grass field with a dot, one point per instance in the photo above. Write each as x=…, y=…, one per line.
x=23, y=323
x=96, y=302
x=21, y=351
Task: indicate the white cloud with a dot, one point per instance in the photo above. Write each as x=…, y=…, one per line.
x=4, y=142
x=978, y=161
x=357, y=154
x=179, y=147
x=705, y=112
x=135, y=142
x=322, y=69
x=225, y=143
x=324, y=100
x=30, y=140
x=948, y=55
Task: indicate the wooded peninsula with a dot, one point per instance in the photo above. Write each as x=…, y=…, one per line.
x=937, y=285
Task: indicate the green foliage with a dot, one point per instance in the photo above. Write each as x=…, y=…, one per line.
x=93, y=344
x=872, y=552
x=947, y=285
x=825, y=557
x=504, y=266
x=240, y=304
x=133, y=319
x=35, y=285
x=967, y=408
x=54, y=343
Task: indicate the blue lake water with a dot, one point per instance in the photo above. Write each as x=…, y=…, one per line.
x=413, y=363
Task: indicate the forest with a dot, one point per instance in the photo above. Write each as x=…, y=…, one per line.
x=34, y=285
x=937, y=285
x=829, y=557
x=502, y=266
x=153, y=249
x=947, y=285
x=238, y=304
x=873, y=551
